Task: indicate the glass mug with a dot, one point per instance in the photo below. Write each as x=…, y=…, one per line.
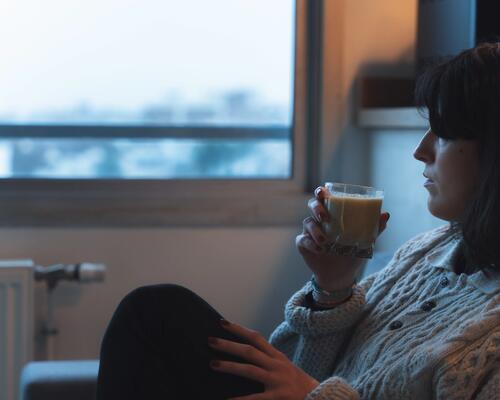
x=354, y=218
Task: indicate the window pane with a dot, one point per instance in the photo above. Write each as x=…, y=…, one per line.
x=140, y=158
x=167, y=62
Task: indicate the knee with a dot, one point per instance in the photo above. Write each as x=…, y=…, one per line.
x=153, y=296
x=147, y=304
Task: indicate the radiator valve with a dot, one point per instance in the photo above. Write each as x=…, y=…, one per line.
x=81, y=272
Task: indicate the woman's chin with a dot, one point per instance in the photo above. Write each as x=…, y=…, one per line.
x=440, y=210
x=434, y=207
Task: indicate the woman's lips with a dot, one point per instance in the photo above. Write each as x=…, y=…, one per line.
x=429, y=181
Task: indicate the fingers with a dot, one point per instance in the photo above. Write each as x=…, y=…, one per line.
x=245, y=351
x=254, y=337
x=316, y=205
x=320, y=193
x=318, y=210
x=305, y=244
x=384, y=217
x=245, y=370
x=311, y=227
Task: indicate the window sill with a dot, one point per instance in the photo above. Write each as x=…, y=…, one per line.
x=113, y=204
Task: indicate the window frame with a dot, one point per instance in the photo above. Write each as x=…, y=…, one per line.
x=188, y=202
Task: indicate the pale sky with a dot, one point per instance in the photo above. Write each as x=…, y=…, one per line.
x=125, y=53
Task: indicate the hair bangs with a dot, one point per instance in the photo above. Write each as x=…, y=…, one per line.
x=442, y=96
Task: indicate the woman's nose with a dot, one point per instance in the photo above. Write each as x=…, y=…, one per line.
x=424, y=151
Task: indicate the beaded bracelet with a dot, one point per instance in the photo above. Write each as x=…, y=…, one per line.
x=325, y=298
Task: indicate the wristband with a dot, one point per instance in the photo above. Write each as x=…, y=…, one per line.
x=327, y=298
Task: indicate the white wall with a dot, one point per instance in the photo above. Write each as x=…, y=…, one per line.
x=379, y=40
x=247, y=274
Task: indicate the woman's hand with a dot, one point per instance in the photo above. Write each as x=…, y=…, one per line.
x=281, y=378
x=332, y=271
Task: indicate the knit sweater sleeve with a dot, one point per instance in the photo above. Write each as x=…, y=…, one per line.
x=312, y=339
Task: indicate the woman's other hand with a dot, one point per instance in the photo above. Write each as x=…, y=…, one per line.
x=281, y=378
x=332, y=271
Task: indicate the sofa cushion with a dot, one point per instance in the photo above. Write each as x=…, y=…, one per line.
x=59, y=380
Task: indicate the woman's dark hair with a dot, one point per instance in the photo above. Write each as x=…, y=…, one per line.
x=461, y=97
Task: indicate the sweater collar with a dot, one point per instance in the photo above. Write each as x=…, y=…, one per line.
x=444, y=257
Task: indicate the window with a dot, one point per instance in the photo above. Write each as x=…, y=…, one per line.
x=112, y=105
x=148, y=65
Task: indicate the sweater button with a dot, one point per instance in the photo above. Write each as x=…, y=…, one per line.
x=395, y=325
x=428, y=306
x=444, y=282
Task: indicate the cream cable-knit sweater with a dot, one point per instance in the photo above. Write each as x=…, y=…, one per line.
x=415, y=330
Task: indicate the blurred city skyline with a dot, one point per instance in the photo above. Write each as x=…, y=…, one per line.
x=236, y=107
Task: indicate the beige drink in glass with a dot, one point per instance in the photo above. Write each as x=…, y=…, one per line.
x=354, y=218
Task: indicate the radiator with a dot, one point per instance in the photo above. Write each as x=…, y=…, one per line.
x=16, y=323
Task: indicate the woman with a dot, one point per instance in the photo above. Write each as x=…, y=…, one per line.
x=426, y=326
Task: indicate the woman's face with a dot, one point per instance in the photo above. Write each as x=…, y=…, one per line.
x=452, y=167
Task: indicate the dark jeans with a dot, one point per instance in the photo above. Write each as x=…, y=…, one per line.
x=156, y=347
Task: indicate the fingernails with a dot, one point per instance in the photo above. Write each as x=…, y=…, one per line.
x=224, y=322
